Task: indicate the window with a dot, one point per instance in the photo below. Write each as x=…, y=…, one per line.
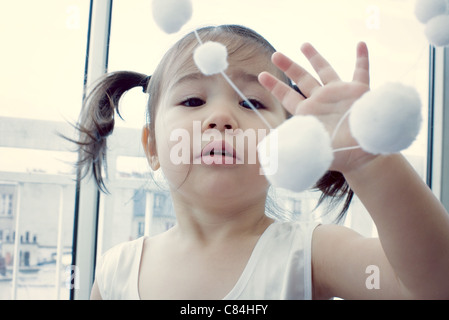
x=139, y=203
x=44, y=46
x=6, y=200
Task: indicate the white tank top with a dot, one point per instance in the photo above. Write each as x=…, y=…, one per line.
x=279, y=267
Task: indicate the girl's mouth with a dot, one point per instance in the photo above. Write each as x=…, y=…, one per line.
x=219, y=152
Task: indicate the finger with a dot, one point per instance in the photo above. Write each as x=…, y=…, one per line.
x=304, y=80
x=361, y=72
x=285, y=94
x=320, y=65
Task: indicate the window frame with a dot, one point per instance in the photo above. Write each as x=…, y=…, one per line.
x=87, y=194
x=438, y=125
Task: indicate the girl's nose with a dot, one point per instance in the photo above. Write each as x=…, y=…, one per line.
x=220, y=120
x=219, y=126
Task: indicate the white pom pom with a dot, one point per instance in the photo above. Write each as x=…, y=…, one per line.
x=437, y=31
x=427, y=9
x=296, y=154
x=211, y=58
x=386, y=120
x=171, y=15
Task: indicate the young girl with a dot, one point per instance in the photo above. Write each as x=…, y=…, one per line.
x=224, y=245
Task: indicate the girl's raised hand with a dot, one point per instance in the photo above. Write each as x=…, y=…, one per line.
x=328, y=100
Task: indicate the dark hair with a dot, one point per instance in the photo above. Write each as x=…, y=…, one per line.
x=96, y=122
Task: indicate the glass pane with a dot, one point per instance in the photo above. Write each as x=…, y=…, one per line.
x=43, y=54
x=398, y=52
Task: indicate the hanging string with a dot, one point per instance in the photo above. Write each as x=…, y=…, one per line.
x=237, y=90
x=198, y=37
x=337, y=127
x=346, y=148
x=245, y=99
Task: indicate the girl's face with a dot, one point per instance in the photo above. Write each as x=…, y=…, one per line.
x=195, y=110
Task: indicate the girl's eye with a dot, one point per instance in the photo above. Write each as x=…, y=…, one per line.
x=256, y=104
x=193, y=102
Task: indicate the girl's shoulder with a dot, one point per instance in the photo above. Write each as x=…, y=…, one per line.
x=292, y=235
x=119, y=267
x=124, y=250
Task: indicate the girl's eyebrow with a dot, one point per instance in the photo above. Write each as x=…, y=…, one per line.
x=244, y=76
x=240, y=75
x=186, y=78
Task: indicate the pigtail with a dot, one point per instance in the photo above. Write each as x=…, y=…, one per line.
x=96, y=121
x=334, y=188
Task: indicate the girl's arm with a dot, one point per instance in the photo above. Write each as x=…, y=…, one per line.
x=413, y=225
x=411, y=257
